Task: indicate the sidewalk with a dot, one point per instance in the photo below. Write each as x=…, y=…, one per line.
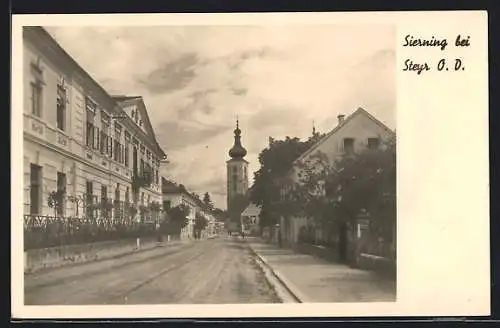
x=314, y=280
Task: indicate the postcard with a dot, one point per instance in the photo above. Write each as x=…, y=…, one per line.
x=250, y=165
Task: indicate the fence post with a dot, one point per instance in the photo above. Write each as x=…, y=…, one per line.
x=138, y=242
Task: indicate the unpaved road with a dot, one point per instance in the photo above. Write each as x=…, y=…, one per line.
x=217, y=271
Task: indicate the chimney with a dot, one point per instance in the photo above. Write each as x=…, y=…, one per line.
x=341, y=118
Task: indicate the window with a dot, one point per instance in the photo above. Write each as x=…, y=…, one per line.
x=117, y=150
x=104, y=142
x=91, y=108
x=157, y=177
x=89, y=198
x=117, y=203
x=104, y=192
x=61, y=188
x=110, y=147
x=142, y=167
x=373, y=143
x=104, y=132
x=126, y=148
x=35, y=188
x=117, y=154
x=348, y=145
x=36, y=98
x=134, y=159
x=166, y=205
x=104, y=200
x=127, y=154
x=61, y=107
x=127, y=195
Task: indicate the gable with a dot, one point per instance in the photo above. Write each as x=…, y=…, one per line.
x=360, y=126
x=136, y=110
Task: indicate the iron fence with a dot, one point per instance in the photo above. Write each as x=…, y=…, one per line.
x=48, y=231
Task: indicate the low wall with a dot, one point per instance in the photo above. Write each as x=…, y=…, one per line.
x=53, y=257
x=381, y=265
x=328, y=254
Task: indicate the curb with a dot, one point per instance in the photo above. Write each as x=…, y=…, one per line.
x=297, y=296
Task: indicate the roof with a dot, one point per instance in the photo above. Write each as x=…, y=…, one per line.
x=251, y=210
x=359, y=111
x=123, y=97
x=171, y=188
x=48, y=39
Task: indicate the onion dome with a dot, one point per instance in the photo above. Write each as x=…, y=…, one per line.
x=237, y=151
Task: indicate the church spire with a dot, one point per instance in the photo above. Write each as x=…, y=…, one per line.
x=237, y=151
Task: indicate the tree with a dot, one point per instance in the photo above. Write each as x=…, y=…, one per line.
x=175, y=219
x=340, y=191
x=275, y=162
x=56, y=201
x=77, y=200
x=200, y=223
x=208, y=201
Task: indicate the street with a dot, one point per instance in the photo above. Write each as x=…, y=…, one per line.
x=216, y=271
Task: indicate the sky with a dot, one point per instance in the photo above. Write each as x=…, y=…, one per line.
x=278, y=80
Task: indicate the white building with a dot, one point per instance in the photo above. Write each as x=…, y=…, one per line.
x=81, y=142
x=250, y=219
x=359, y=131
x=175, y=195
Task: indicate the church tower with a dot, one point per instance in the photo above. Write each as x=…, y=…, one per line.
x=237, y=170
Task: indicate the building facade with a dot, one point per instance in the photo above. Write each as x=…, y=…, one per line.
x=83, y=148
x=250, y=218
x=176, y=194
x=353, y=134
x=237, y=180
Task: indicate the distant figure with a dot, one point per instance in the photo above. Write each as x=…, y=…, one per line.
x=243, y=234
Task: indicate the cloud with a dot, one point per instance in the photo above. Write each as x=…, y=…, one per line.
x=277, y=79
x=173, y=135
x=174, y=75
